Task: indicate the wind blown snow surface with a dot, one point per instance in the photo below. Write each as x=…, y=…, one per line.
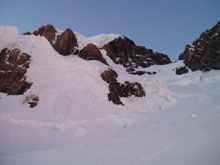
x=177, y=123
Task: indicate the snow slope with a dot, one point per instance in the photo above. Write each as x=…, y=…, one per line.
x=74, y=123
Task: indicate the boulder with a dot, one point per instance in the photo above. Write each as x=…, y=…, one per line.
x=91, y=52
x=123, y=51
x=66, y=43
x=204, y=53
x=13, y=66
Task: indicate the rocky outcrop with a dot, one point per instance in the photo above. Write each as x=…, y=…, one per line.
x=49, y=32
x=204, y=53
x=124, y=51
x=13, y=66
x=117, y=90
x=66, y=43
x=181, y=70
x=121, y=50
x=91, y=52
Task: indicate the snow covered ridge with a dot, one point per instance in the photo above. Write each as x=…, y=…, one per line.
x=71, y=88
x=70, y=39
x=49, y=68
x=11, y=59
x=67, y=43
x=120, y=49
x=110, y=50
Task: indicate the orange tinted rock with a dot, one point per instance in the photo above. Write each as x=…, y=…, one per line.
x=49, y=32
x=66, y=43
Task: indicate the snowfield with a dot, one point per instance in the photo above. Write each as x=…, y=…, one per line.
x=177, y=123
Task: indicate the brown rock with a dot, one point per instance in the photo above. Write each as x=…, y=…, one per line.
x=124, y=51
x=49, y=32
x=66, y=43
x=13, y=66
x=91, y=52
x=109, y=75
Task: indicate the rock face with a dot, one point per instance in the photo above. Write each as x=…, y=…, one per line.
x=91, y=52
x=124, y=51
x=117, y=90
x=204, y=53
x=66, y=43
x=49, y=32
x=13, y=66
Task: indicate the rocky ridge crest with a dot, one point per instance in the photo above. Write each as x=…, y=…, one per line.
x=204, y=53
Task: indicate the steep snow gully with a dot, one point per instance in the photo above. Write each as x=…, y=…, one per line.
x=73, y=122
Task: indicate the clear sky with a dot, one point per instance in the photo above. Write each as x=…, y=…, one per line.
x=164, y=25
